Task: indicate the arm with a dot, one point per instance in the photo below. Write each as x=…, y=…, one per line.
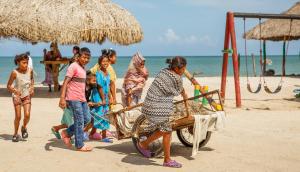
x=100, y=90
x=62, y=101
x=184, y=96
x=10, y=88
x=113, y=92
x=31, y=89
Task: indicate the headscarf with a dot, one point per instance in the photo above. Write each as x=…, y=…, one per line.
x=133, y=72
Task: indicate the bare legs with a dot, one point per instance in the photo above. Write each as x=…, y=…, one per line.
x=26, y=119
x=166, y=143
x=17, y=119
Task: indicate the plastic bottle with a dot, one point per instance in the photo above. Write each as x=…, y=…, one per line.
x=204, y=100
x=197, y=92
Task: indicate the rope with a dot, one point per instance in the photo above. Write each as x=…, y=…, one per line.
x=279, y=87
x=246, y=55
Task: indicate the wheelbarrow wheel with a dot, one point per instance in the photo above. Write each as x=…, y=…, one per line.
x=141, y=133
x=185, y=136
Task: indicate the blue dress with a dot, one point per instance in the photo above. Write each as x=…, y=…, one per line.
x=98, y=113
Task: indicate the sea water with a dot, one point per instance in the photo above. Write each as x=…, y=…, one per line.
x=200, y=65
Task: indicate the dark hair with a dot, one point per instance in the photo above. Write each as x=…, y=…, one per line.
x=85, y=50
x=177, y=61
x=89, y=73
x=28, y=53
x=108, y=52
x=76, y=48
x=100, y=59
x=21, y=57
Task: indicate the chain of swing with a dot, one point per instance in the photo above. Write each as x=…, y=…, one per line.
x=261, y=76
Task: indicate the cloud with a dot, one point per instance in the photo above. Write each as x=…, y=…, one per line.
x=171, y=37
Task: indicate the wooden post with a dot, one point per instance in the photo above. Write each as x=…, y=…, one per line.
x=253, y=64
x=265, y=57
x=230, y=34
x=225, y=60
x=235, y=61
x=283, y=58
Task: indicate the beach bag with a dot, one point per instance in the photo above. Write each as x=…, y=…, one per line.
x=67, y=117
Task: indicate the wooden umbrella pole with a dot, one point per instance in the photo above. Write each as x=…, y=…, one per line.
x=253, y=64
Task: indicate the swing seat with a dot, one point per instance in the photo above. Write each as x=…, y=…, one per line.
x=256, y=91
x=278, y=89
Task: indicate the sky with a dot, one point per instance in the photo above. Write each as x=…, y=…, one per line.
x=178, y=27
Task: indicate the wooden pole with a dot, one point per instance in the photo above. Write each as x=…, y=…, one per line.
x=235, y=60
x=225, y=60
x=283, y=58
x=253, y=64
x=265, y=57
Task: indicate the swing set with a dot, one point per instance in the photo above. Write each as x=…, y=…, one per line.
x=231, y=36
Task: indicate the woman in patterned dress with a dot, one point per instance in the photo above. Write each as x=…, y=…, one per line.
x=158, y=107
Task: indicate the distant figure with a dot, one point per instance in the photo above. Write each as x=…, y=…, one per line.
x=22, y=91
x=30, y=62
x=76, y=54
x=52, y=55
x=270, y=72
x=134, y=81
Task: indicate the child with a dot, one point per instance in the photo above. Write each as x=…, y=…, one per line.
x=67, y=118
x=112, y=56
x=134, y=81
x=158, y=106
x=73, y=96
x=22, y=91
x=101, y=98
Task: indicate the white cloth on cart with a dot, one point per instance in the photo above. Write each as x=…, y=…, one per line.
x=204, y=123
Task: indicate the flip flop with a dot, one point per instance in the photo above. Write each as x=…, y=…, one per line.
x=85, y=148
x=24, y=133
x=144, y=152
x=96, y=136
x=111, y=134
x=55, y=133
x=66, y=139
x=172, y=164
x=16, y=138
x=106, y=140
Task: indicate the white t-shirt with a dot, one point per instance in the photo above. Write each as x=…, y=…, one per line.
x=30, y=64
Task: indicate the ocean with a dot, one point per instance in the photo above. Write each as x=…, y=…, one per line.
x=205, y=66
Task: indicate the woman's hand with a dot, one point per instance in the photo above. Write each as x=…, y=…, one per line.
x=91, y=104
x=31, y=91
x=62, y=103
x=16, y=92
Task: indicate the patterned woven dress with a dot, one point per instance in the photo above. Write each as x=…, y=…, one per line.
x=158, y=104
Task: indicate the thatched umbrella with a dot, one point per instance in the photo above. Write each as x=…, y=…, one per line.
x=68, y=21
x=277, y=29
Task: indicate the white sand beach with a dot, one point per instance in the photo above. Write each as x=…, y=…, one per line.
x=263, y=135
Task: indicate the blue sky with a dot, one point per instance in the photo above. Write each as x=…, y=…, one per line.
x=178, y=27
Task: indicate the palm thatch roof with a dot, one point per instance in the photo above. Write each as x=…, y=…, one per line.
x=277, y=29
x=68, y=21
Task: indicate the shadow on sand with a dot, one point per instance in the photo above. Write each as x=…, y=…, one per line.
x=8, y=137
x=133, y=157
x=39, y=92
x=55, y=143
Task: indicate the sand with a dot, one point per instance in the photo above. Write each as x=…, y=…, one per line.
x=263, y=135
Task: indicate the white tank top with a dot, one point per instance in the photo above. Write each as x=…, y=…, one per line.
x=22, y=83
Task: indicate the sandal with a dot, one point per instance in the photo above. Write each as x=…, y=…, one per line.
x=56, y=133
x=172, y=164
x=106, y=140
x=146, y=153
x=24, y=133
x=16, y=138
x=66, y=139
x=96, y=136
x=85, y=148
x=110, y=134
